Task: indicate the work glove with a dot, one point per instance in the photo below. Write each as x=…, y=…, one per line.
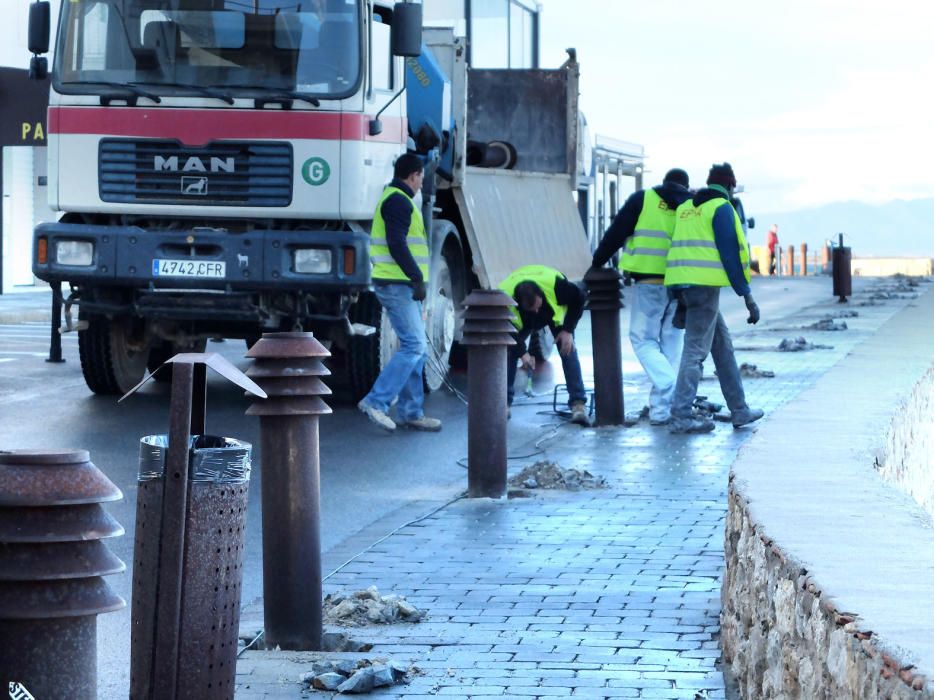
x=418, y=290
x=753, y=309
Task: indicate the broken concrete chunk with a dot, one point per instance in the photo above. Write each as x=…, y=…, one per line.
x=328, y=681
x=360, y=682
x=382, y=675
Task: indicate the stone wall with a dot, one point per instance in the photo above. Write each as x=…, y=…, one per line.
x=829, y=583
x=784, y=639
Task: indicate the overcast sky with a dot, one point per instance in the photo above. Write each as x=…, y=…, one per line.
x=811, y=101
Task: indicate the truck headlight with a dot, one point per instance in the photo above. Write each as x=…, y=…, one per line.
x=315, y=261
x=74, y=253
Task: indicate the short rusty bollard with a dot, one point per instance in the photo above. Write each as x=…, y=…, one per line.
x=487, y=334
x=289, y=367
x=804, y=259
x=790, y=261
x=604, y=300
x=188, y=553
x=51, y=563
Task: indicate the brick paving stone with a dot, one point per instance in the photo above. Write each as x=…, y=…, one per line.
x=609, y=593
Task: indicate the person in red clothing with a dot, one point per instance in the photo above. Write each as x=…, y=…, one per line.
x=771, y=241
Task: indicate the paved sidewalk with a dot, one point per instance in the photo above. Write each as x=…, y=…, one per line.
x=610, y=593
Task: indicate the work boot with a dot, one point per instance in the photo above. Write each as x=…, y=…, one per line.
x=579, y=413
x=691, y=425
x=381, y=418
x=431, y=425
x=745, y=416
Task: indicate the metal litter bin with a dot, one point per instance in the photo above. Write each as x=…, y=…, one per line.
x=219, y=476
x=842, y=271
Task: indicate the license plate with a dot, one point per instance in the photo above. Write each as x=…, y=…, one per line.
x=188, y=268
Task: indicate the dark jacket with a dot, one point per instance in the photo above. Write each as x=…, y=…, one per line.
x=397, y=213
x=624, y=223
x=566, y=294
x=724, y=232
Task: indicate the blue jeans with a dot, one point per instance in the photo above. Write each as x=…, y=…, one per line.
x=705, y=332
x=656, y=343
x=402, y=377
x=570, y=364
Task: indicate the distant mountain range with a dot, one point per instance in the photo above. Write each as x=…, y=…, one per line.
x=897, y=228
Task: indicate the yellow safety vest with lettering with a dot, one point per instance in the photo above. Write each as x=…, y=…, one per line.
x=646, y=249
x=384, y=265
x=694, y=257
x=544, y=277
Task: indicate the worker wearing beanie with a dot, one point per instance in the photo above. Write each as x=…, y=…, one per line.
x=708, y=252
x=642, y=230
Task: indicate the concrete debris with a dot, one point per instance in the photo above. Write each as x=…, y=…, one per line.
x=842, y=314
x=799, y=344
x=337, y=641
x=827, y=324
x=751, y=371
x=368, y=607
x=548, y=475
x=356, y=677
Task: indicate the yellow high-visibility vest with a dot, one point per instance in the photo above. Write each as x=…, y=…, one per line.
x=646, y=249
x=544, y=277
x=694, y=258
x=384, y=265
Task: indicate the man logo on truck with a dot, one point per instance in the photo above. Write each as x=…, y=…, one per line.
x=194, y=164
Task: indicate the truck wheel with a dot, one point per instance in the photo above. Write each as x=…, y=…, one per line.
x=368, y=354
x=441, y=327
x=109, y=364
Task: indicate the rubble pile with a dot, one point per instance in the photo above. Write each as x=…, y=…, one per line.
x=355, y=677
x=548, y=475
x=368, y=607
x=800, y=344
x=751, y=371
x=827, y=324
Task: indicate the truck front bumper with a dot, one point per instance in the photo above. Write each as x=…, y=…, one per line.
x=258, y=260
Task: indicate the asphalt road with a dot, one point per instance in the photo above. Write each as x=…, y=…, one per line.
x=366, y=475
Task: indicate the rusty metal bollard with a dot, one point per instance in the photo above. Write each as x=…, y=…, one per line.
x=51, y=563
x=289, y=367
x=804, y=259
x=605, y=299
x=790, y=261
x=825, y=259
x=488, y=332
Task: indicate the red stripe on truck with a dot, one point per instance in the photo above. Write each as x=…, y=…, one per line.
x=196, y=127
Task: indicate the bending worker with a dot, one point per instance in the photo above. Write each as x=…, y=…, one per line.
x=399, y=251
x=643, y=229
x=545, y=297
x=708, y=252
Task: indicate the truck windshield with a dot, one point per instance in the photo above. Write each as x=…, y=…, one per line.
x=184, y=46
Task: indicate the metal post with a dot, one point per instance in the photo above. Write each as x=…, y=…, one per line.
x=288, y=367
x=51, y=563
x=825, y=259
x=804, y=259
x=790, y=261
x=604, y=299
x=55, y=340
x=487, y=334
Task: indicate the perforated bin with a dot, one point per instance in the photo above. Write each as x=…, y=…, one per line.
x=215, y=519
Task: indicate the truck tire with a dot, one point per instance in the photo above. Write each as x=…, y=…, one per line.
x=442, y=325
x=108, y=363
x=368, y=354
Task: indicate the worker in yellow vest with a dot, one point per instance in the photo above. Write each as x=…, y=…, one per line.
x=545, y=297
x=642, y=230
x=709, y=252
x=399, y=253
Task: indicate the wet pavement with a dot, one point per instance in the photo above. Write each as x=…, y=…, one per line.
x=602, y=593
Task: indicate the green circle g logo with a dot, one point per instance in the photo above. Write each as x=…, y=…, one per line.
x=316, y=171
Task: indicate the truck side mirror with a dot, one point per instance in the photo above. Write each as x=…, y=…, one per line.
x=39, y=27
x=406, y=31
x=38, y=68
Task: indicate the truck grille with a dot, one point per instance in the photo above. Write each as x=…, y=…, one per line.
x=229, y=173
